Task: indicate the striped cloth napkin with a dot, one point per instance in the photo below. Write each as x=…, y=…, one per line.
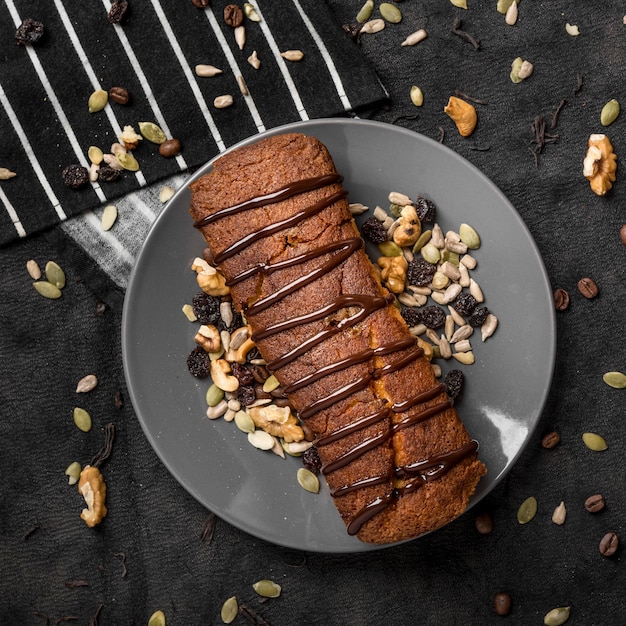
x=152, y=52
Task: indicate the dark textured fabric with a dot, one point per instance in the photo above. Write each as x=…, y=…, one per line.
x=45, y=87
x=446, y=578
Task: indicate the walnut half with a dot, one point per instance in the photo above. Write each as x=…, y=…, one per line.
x=92, y=487
x=600, y=164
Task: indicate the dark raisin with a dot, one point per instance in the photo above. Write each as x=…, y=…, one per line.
x=117, y=12
x=29, y=31
x=478, y=317
x=246, y=395
x=206, y=308
x=199, y=362
x=311, y=460
x=108, y=174
x=420, y=272
x=201, y=4
x=242, y=374
x=433, y=316
x=464, y=304
x=426, y=210
x=454, y=383
x=411, y=315
x=374, y=230
x=75, y=176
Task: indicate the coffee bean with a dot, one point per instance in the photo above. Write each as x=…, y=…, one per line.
x=594, y=503
x=201, y=4
x=119, y=95
x=622, y=234
x=561, y=299
x=233, y=15
x=502, y=603
x=484, y=523
x=588, y=288
x=170, y=148
x=551, y=440
x=609, y=544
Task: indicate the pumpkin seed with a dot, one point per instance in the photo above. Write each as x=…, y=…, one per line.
x=389, y=249
x=616, y=380
x=267, y=588
x=86, y=383
x=109, y=217
x=308, y=480
x=214, y=395
x=609, y=112
x=431, y=253
x=244, y=422
x=95, y=155
x=461, y=4
x=417, y=96
x=366, y=12
x=128, y=161
x=230, y=610
x=55, y=275
x=251, y=12
x=98, y=100
x=157, y=619
x=270, y=384
x=152, y=132
x=73, y=472
x=527, y=510
x=390, y=12
x=422, y=240
x=557, y=616
x=33, y=269
x=47, y=290
x=594, y=442
x=261, y=440
x=82, y=419
x=469, y=236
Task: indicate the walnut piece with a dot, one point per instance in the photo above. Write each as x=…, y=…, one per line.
x=409, y=227
x=92, y=487
x=600, y=164
x=393, y=272
x=277, y=421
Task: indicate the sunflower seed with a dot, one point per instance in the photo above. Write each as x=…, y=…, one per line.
x=240, y=36
x=251, y=12
x=558, y=517
x=73, y=472
x=557, y=616
x=292, y=55
x=373, y=26
x=33, y=269
x=6, y=173
x=223, y=102
x=87, y=383
x=511, y=15
x=415, y=38
x=207, y=71
x=489, y=326
x=308, y=480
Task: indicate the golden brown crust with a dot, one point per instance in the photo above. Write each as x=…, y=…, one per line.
x=266, y=167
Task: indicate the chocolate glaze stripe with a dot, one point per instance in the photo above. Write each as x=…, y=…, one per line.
x=346, y=249
x=348, y=246
x=443, y=462
x=359, y=484
x=308, y=184
x=355, y=359
x=356, y=452
x=361, y=383
x=353, y=427
x=271, y=229
x=422, y=416
x=419, y=398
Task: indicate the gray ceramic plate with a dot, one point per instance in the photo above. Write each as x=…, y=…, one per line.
x=257, y=491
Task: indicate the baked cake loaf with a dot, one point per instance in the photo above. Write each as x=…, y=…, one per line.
x=396, y=457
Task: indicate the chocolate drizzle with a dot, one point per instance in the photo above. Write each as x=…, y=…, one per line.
x=414, y=474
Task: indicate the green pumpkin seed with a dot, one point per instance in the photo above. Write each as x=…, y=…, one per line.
x=431, y=253
x=557, y=616
x=244, y=422
x=389, y=249
x=516, y=66
x=73, y=471
x=152, y=132
x=422, y=240
x=527, y=510
x=609, y=112
x=270, y=384
x=55, y=275
x=469, y=237
x=616, y=380
x=267, y=588
x=214, y=395
x=98, y=100
x=594, y=442
x=308, y=480
x=390, y=12
x=128, y=161
x=82, y=419
x=109, y=217
x=230, y=610
x=95, y=155
x=366, y=12
x=157, y=619
x=417, y=96
x=47, y=290
x=461, y=4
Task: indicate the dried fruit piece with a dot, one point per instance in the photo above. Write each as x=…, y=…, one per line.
x=75, y=176
x=28, y=32
x=117, y=12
